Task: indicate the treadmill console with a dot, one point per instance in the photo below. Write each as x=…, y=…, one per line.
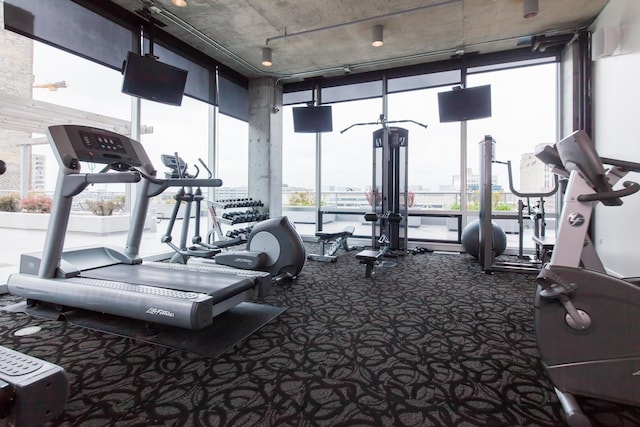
x=73, y=144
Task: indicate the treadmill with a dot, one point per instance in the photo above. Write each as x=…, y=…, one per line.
x=116, y=280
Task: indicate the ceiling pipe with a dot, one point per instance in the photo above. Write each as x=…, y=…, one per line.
x=362, y=20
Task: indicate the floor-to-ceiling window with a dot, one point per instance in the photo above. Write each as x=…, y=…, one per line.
x=64, y=79
x=182, y=131
x=347, y=156
x=524, y=117
x=298, y=174
x=63, y=85
x=434, y=165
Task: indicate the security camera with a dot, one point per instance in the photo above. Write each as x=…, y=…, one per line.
x=275, y=110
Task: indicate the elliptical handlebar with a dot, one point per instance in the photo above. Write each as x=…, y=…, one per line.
x=553, y=191
x=204, y=165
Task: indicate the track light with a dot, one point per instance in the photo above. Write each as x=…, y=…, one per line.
x=179, y=3
x=266, y=57
x=529, y=8
x=376, y=36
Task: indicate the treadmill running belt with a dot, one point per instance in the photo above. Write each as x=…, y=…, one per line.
x=219, y=286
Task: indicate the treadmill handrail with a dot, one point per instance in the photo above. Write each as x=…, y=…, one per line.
x=194, y=182
x=120, y=177
x=74, y=184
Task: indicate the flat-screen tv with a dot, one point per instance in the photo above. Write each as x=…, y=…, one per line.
x=148, y=78
x=312, y=119
x=465, y=104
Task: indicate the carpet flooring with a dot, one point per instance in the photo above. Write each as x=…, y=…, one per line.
x=431, y=342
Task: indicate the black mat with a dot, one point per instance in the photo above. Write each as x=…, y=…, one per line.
x=227, y=330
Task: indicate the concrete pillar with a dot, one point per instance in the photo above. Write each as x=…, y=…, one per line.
x=265, y=143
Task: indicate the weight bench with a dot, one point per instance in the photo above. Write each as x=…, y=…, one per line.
x=330, y=243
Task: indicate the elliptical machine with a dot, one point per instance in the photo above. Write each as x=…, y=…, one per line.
x=186, y=197
x=273, y=245
x=586, y=321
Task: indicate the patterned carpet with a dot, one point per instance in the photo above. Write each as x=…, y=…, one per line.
x=431, y=342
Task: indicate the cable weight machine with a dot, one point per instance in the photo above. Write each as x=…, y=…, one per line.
x=389, y=195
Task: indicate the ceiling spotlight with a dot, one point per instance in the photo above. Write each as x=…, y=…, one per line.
x=266, y=57
x=179, y=3
x=376, y=36
x=529, y=8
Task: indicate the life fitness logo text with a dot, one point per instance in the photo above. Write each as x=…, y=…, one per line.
x=160, y=312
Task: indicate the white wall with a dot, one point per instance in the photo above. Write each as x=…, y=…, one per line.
x=616, y=111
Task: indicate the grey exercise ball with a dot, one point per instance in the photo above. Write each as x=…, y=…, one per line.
x=470, y=238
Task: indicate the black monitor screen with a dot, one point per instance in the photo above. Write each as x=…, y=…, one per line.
x=465, y=104
x=148, y=78
x=312, y=119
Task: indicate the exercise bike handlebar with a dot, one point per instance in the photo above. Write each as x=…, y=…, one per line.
x=626, y=165
x=553, y=191
x=630, y=188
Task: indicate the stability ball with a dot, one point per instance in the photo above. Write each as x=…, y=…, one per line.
x=470, y=238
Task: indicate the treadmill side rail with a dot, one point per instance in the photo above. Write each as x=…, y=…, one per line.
x=191, y=310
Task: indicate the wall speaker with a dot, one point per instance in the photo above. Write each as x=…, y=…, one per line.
x=604, y=41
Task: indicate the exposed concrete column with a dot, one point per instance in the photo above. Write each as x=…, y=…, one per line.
x=265, y=143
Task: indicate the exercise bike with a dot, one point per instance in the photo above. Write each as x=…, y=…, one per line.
x=586, y=321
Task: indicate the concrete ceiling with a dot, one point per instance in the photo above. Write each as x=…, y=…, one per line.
x=312, y=38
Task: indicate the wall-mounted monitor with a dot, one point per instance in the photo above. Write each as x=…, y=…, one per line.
x=465, y=104
x=312, y=119
x=148, y=78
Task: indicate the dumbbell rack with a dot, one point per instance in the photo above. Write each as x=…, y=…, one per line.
x=229, y=212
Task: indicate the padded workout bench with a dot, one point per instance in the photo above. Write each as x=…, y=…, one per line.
x=331, y=242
